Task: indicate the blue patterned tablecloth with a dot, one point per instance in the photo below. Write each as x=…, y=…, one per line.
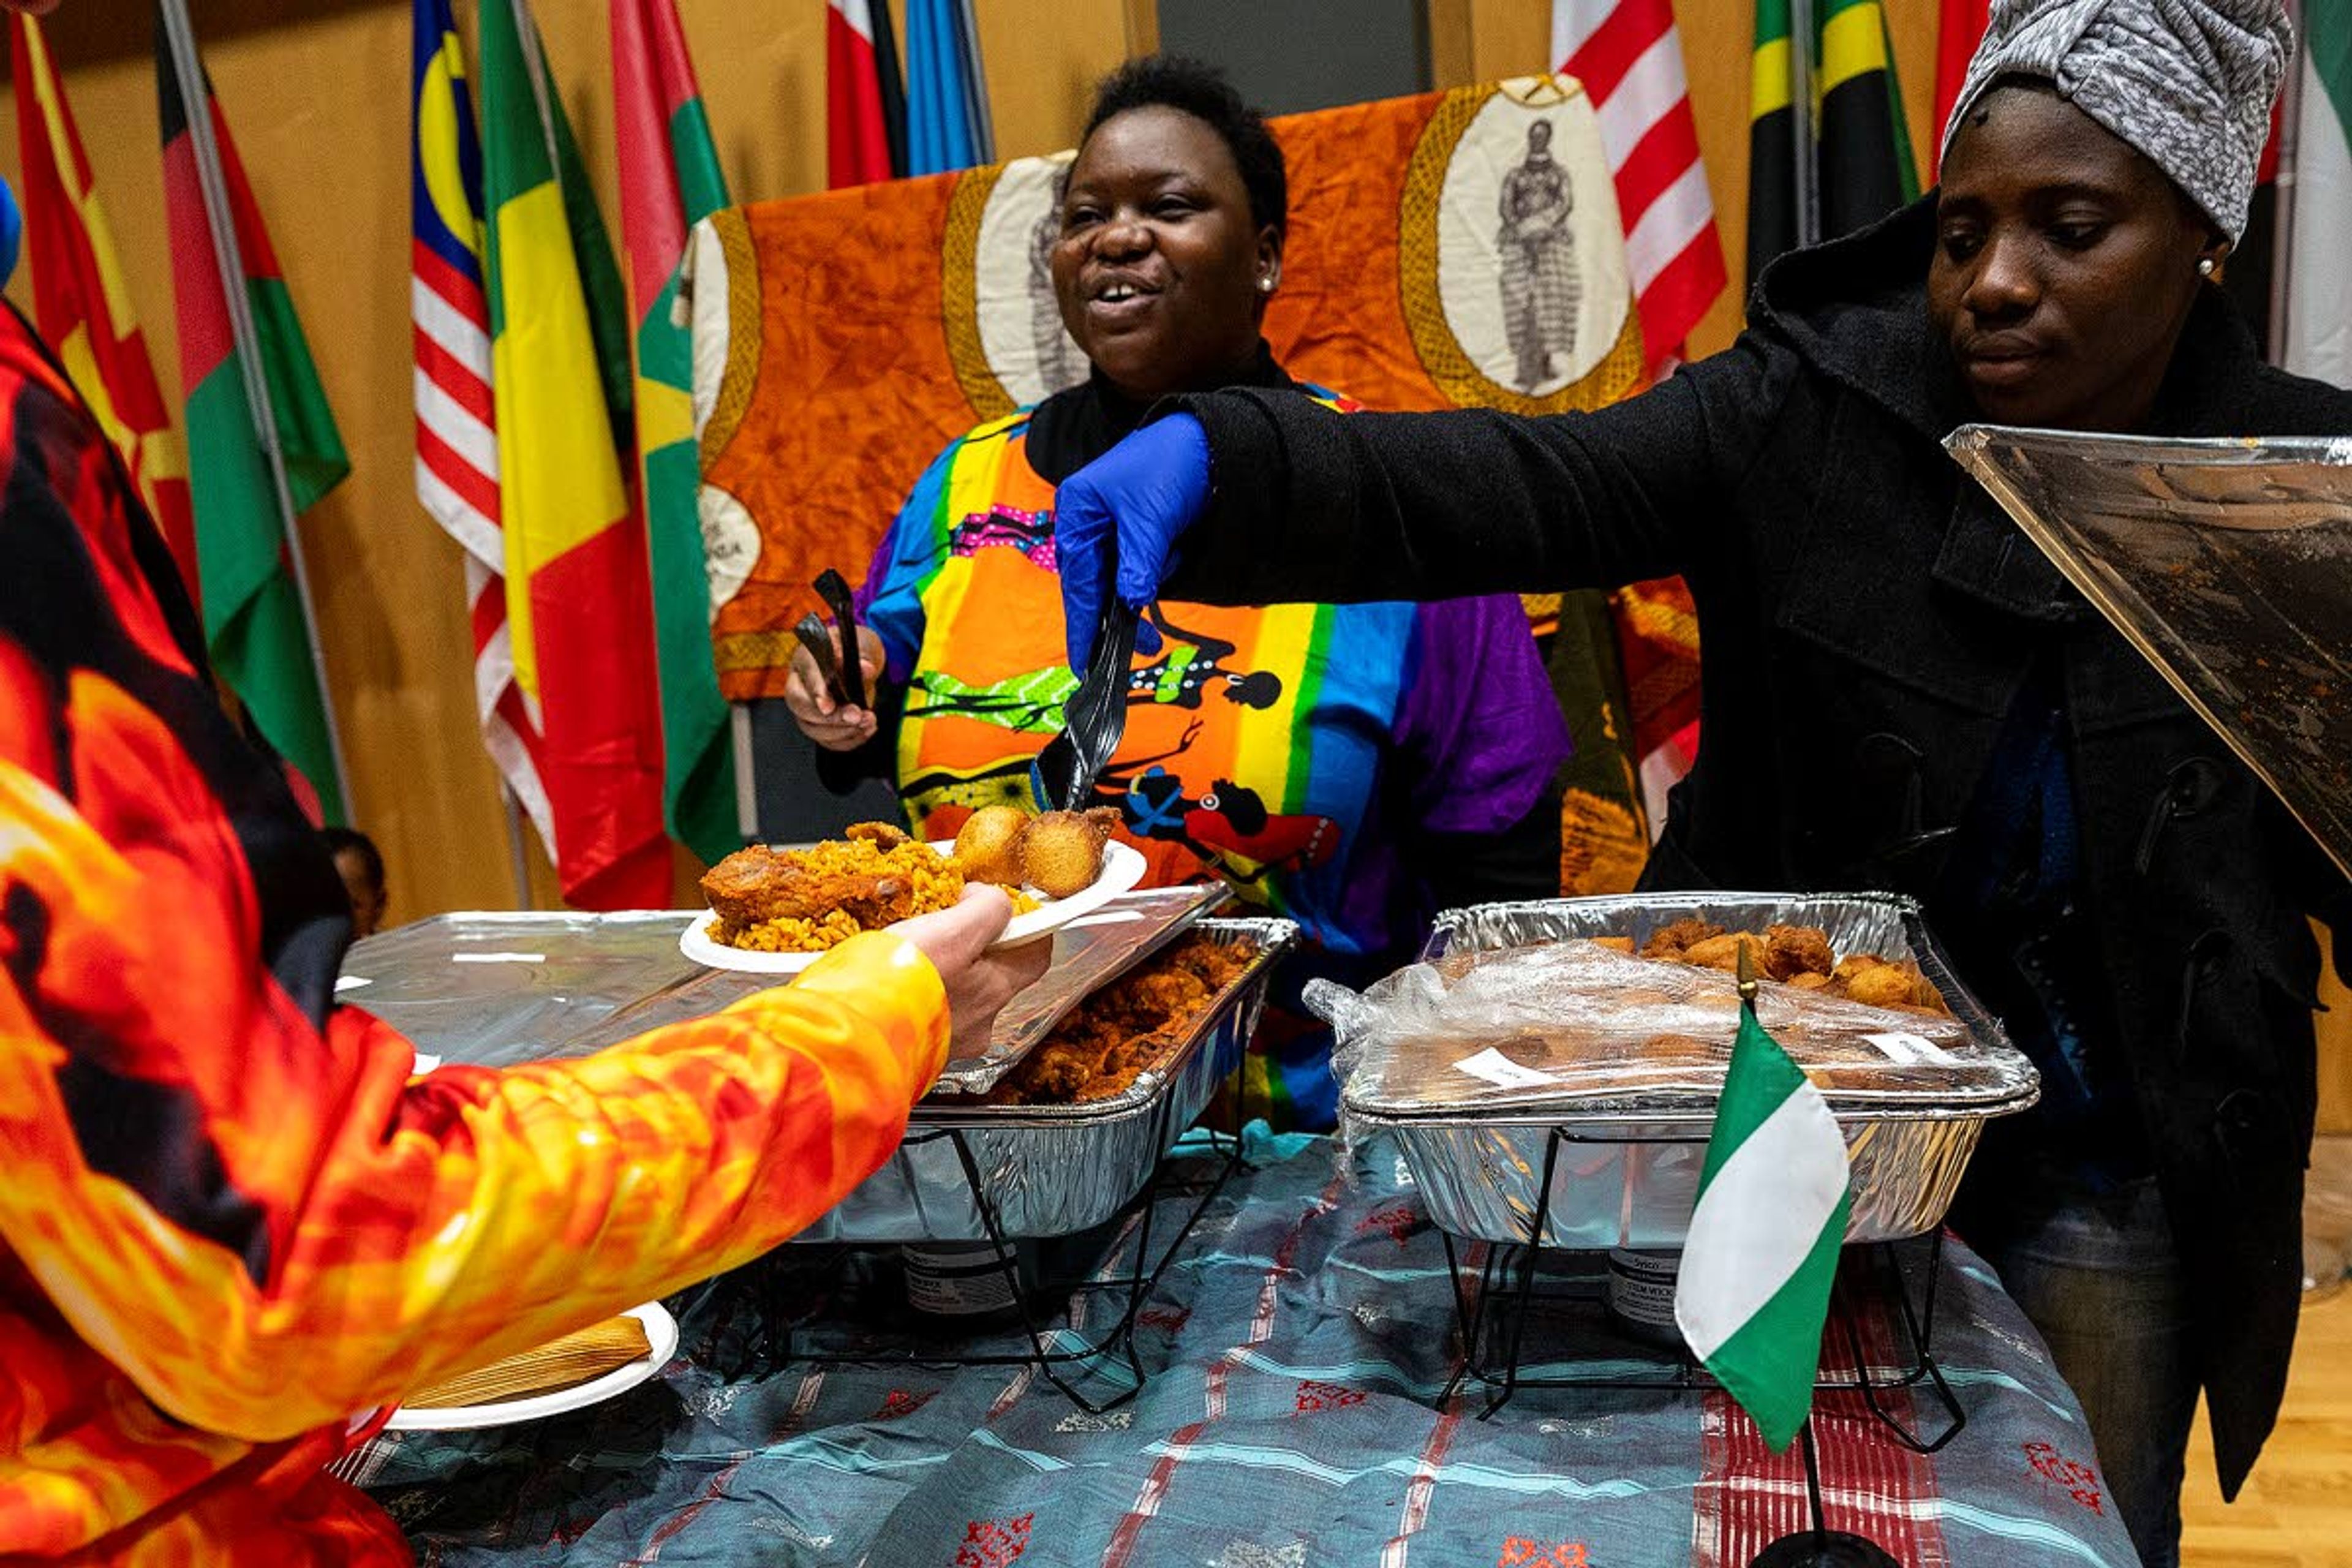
x=1297, y=1414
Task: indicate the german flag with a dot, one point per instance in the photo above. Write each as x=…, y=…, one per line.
x=1862, y=146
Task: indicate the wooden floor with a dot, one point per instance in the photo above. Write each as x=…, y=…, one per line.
x=2296, y=1511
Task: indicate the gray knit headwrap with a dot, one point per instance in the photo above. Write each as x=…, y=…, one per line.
x=2188, y=82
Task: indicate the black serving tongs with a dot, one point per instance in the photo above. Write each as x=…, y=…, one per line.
x=835, y=591
x=840, y=663
x=1094, y=721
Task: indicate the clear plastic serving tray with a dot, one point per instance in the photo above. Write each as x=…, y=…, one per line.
x=2228, y=565
x=1633, y=1139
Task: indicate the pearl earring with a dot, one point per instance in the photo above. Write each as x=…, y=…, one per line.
x=1265, y=285
x=2205, y=267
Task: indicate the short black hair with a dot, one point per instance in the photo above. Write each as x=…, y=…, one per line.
x=1200, y=91
x=337, y=840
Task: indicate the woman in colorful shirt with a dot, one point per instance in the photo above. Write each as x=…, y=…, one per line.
x=1351, y=767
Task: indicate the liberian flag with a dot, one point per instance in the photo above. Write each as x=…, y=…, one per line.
x=864, y=103
x=255, y=624
x=947, y=99
x=578, y=605
x=1753, y=1291
x=670, y=180
x=457, y=424
x=1630, y=59
x=80, y=304
x=2318, y=335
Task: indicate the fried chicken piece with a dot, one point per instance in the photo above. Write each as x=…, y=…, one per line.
x=1670, y=941
x=990, y=846
x=1055, y=1074
x=1623, y=944
x=1810, y=980
x=1791, y=951
x=1064, y=850
x=1723, y=952
x=762, y=883
x=742, y=887
x=881, y=834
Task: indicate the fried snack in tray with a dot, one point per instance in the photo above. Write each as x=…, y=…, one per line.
x=1603, y=1022
x=1059, y=853
x=1130, y=1027
x=805, y=900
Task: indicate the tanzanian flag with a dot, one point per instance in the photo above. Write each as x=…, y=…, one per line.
x=578, y=602
x=669, y=181
x=253, y=612
x=1862, y=146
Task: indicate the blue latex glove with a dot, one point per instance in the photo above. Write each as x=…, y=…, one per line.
x=1116, y=522
x=12, y=231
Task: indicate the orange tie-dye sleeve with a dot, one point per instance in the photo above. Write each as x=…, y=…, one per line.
x=374, y=1230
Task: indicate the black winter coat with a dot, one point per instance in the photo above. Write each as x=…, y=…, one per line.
x=1868, y=615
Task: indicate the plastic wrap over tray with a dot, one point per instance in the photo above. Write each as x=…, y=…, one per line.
x=1051, y=1170
x=496, y=989
x=2228, y=565
x=1626, y=1172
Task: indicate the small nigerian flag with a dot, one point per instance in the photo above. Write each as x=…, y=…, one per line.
x=1754, y=1288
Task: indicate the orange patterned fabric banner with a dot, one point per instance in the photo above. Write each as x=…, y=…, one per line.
x=1452, y=249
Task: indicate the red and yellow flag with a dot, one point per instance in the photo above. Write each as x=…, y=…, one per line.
x=80, y=304
x=578, y=599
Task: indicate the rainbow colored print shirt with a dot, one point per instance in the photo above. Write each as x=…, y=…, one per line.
x=1287, y=749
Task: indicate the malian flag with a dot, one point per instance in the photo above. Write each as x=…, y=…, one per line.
x=255, y=620
x=864, y=101
x=1630, y=58
x=79, y=304
x=456, y=420
x=670, y=180
x=579, y=605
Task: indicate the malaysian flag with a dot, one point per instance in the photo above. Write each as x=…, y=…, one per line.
x=456, y=430
x=1630, y=59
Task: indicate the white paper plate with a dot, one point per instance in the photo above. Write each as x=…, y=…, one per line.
x=1122, y=870
x=661, y=1333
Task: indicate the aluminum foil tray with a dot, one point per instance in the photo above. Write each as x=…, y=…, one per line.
x=1627, y=1171
x=1051, y=1170
x=2225, y=562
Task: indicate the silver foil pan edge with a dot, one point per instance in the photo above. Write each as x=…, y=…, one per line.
x=1054, y=1170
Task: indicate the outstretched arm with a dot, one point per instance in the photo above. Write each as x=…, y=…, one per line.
x=1256, y=496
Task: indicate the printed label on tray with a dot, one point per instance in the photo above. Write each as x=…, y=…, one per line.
x=957, y=1282
x=1503, y=1072
x=1905, y=1049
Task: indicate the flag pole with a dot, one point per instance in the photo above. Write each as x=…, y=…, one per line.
x=1803, y=159
x=1818, y=1547
x=2283, y=203
x=180, y=37
x=518, y=857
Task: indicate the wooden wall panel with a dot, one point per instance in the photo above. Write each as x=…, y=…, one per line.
x=316, y=92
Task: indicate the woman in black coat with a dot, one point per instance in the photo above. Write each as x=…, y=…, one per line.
x=1900, y=692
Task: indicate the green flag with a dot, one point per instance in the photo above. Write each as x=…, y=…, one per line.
x=670, y=180
x=1753, y=1291
x=1861, y=145
x=254, y=622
